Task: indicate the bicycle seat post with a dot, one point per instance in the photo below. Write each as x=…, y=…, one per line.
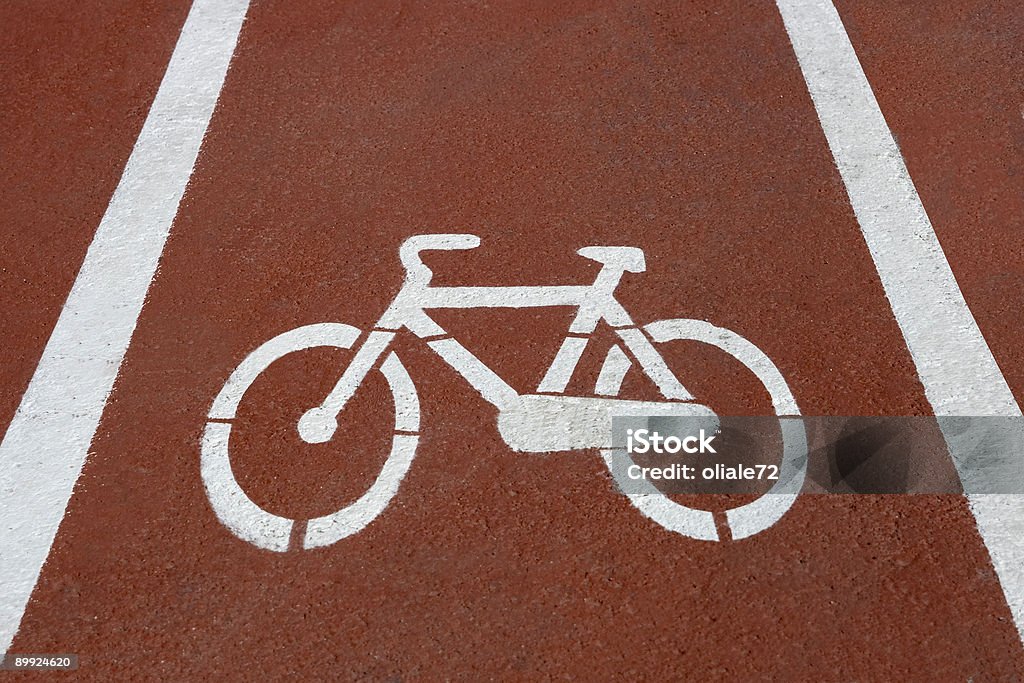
x=615, y=262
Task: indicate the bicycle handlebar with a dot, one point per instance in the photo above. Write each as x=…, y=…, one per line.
x=409, y=253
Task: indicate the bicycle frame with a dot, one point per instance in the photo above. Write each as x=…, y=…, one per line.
x=408, y=310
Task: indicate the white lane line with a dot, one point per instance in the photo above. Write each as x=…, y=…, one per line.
x=46, y=443
x=956, y=367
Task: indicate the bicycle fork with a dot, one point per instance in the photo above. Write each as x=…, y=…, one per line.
x=318, y=424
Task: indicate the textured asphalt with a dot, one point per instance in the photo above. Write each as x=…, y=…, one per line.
x=342, y=130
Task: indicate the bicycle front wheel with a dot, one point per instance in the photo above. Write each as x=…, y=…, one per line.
x=250, y=522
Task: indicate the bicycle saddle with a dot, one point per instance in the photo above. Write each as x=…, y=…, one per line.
x=630, y=259
x=409, y=252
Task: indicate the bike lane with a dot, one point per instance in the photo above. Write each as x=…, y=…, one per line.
x=75, y=90
x=341, y=132
x=948, y=80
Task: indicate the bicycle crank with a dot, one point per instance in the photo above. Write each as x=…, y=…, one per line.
x=543, y=424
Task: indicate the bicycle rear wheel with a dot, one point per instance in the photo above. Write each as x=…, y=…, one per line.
x=756, y=516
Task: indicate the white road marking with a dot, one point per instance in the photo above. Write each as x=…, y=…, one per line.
x=654, y=365
x=492, y=387
x=242, y=515
x=532, y=423
x=613, y=371
x=556, y=379
x=46, y=444
x=761, y=513
x=956, y=367
x=318, y=424
x=542, y=423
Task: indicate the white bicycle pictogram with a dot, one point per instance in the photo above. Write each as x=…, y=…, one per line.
x=546, y=421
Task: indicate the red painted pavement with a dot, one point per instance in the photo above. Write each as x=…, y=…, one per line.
x=948, y=79
x=341, y=131
x=75, y=87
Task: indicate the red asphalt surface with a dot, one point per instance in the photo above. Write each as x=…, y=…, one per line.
x=76, y=86
x=343, y=130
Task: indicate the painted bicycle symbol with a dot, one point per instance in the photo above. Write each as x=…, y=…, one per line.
x=545, y=421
